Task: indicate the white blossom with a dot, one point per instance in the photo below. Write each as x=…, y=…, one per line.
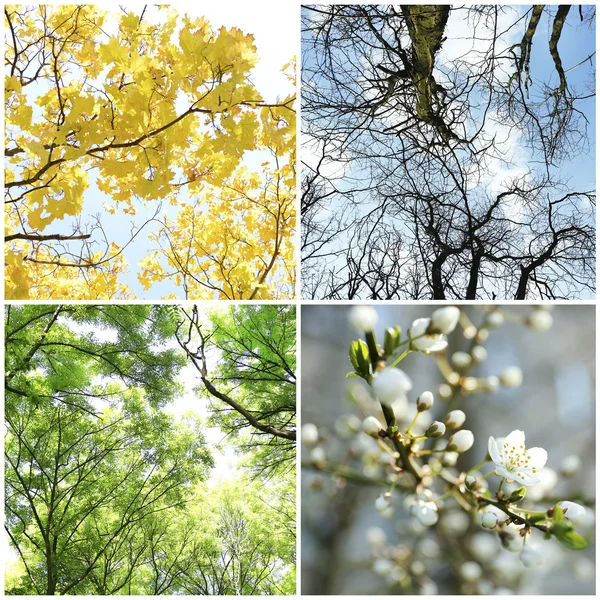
x=514, y=462
x=454, y=523
x=436, y=430
x=347, y=426
x=531, y=556
x=390, y=385
x=539, y=320
x=461, y=441
x=309, y=434
x=444, y=320
x=511, y=377
x=573, y=511
x=363, y=318
x=484, y=546
x=421, y=340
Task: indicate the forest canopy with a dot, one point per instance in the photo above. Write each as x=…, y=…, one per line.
x=116, y=485
x=140, y=153
x=448, y=152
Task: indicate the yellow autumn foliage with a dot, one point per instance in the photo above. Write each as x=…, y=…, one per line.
x=143, y=109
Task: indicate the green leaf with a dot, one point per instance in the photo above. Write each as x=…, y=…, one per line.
x=391, y=339
x=359, y=357
x=570, y=539
x=536, y=518
x=352, y=374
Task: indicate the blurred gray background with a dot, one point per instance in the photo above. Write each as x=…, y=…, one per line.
x=555, y=406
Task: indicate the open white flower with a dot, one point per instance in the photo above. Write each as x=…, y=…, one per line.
x=514, y=462
x=421, y=340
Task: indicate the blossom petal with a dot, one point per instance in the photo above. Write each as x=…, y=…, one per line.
x=502, y=471
x=515, y=438
x=437, y=345
x=493, y=450
x=538, y=457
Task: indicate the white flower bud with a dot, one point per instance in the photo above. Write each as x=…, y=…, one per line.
x=495, y=319
x=391, y=385
x=454, y=523
x=309, y=434
x=363, y=318
x=470, y=571
x=484, y=546
x=347, y=426
x=461, y=441
x=318, y=457
x=425, y=401
x=450, y=459
x=570, y=465
x=511, y=377
x=461, y=360
x=383, y=502
x=426, y=513
x=436, y=430
x=455, y=419
x=388, y=513
x=511, y=541
x=489, y=520
x=531, y=556
x=492, y=383
x=573, y=511
x=376, y=536
x=371, y=426
x=539, y=320
x=479, y=354
x=444, y=320
x=382, y=566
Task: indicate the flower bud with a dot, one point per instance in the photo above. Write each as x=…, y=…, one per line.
x=309, y=434
x=471, y=482
x=426, y=513
x=531, y=556
x=495, y=319
x=391, y=339
x=436, y=430
x=489, y=520
x=461, y=360
x=511, y=377
x=318, y=457
x=376, y=536
x=383, y=502
x=424, y=401
x=570, y=465
x=470, y=571
x=391, y=385
x=444, y=320
x=363, y=318
x=383, y=566
x=371, y=426
x=517, y=495
x=492, y=383
x=573, y=511
x=461, y=441
x=511, y=541
x=388, y=513
x=539, y=320
x=479, y=354
x=455, y=419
